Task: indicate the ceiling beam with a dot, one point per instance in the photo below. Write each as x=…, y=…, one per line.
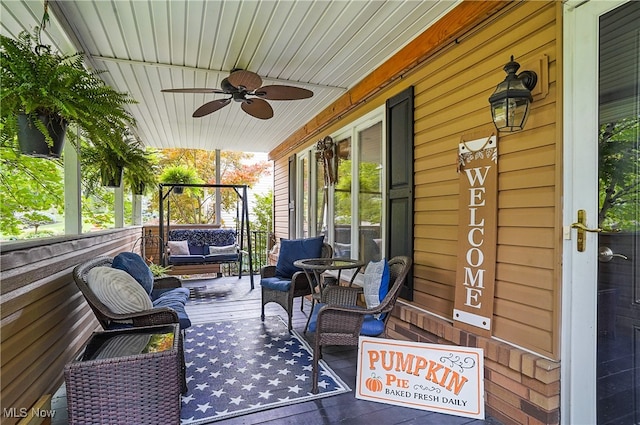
x=222, y=73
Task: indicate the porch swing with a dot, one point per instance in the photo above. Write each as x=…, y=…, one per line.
x=202, y=249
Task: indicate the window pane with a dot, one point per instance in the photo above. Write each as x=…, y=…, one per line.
x=342, y=201
x=370, y=196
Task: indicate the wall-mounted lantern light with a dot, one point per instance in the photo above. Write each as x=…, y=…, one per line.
x=510, y=102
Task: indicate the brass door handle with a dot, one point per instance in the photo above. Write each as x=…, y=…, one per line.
x=582, y=230
x=581, y=226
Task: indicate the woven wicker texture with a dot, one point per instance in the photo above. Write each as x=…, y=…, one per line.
x=136, y=389
x=300, y=287
x=340, y=320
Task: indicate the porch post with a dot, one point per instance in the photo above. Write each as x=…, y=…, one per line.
x=72, y=191
x=136, y=209
x=218, y=200
x=118, y=206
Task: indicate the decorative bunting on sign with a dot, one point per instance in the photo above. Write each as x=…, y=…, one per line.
x=475, y=274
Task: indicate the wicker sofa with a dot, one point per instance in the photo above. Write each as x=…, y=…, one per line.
x=167, y=296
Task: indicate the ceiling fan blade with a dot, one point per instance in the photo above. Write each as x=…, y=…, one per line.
x=247, y=79
x=283, y=93
x=192, y=90
x=210, y=107
x=258, y=108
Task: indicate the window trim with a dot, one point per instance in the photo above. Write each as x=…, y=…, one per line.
x=349, y=131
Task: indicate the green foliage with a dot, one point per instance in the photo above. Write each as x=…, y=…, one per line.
x=157, y=270
x=180, y=174
x=263, y=212
x=97, y=209
x=37, y=80
x=27, y=185
x=140, y=165
x=196, y=205
x=370, y=197
x=370, y=202
x=619, y=175
x=343, y=193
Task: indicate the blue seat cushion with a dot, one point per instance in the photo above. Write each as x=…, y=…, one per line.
x=198, y=249
x=296, y=249
x=220, y=258
x=133, y=264
x=276, y=283
x=175, y=294
x=186, y=259
x=175, y=299
x=370, y=327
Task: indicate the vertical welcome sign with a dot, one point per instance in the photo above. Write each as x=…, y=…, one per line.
x=440, y=378
x=475, y=274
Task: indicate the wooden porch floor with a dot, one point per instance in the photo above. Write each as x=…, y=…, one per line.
x=230, y=298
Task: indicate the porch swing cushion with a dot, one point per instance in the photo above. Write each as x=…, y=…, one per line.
x=200, y=243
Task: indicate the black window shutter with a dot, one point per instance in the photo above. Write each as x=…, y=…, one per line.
x=399, y=120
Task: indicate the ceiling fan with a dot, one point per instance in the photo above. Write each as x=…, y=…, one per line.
x=240, y=84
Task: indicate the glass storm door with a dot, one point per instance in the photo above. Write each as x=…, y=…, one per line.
x=618, y=319
x=601, y=277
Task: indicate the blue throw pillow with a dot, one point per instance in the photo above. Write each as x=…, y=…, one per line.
x=376, y=282
x=296, y=249
x=133, y=264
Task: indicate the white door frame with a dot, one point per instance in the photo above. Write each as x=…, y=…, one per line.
x=580, y=150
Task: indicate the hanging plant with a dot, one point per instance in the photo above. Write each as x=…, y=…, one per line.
x=111, y=163
x=43, y=89
x=141, y=170
x=179, y=174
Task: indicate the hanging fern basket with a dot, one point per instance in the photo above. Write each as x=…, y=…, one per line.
x=139, y=188
x=34, y=143
x=111, y=177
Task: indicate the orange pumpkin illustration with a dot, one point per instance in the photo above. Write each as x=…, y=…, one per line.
x=373, y=384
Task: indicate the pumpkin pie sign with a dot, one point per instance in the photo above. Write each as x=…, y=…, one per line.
x=438, y=378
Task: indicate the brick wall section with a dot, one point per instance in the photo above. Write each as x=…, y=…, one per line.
x=520, y=387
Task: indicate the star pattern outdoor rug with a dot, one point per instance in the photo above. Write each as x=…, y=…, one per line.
x=206, y=291
x=245, y=366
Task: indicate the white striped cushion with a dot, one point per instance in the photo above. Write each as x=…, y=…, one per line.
x=118, y=290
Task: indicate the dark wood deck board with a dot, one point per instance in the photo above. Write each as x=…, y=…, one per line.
x=343, y=408
x=238, y=301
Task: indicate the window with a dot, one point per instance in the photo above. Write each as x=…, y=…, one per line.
x=351, y=211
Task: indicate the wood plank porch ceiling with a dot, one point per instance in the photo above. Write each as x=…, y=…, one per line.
x=146, y=45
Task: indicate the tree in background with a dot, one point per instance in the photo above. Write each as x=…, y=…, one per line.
x=29, y=188
x=199, y=207
x=263, y=212
x=619, y=175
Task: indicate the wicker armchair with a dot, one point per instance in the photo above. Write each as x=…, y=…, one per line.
x=339, y=320
x=300, y=287
x=107, y=318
